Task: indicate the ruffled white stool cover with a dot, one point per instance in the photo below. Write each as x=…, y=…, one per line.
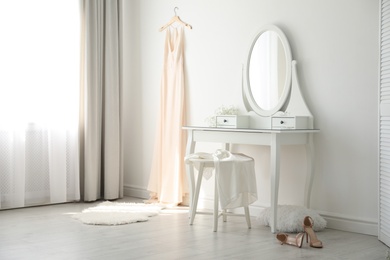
x=235, y=181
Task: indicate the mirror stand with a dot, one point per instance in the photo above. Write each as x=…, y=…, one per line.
x=272, y=93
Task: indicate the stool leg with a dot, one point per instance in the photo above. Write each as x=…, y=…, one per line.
x=191, y=180
x=196, y=195
x=216, y=205
x=247, y=216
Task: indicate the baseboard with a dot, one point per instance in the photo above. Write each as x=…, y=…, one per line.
x=141, y=193
x=334, y=221
x=136, y=192
x=350, y=224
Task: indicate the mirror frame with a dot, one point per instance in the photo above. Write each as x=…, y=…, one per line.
x=248, y=96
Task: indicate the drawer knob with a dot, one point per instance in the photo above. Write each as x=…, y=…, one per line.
x=281, y=122
x=225, y=121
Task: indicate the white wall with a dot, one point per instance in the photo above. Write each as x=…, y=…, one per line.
x=336, y=46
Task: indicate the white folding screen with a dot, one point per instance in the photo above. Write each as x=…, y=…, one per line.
x=384, y=125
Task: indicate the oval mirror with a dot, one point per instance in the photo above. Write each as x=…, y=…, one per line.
x=268, y=71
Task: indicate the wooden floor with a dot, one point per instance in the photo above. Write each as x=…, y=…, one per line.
x=49, y=232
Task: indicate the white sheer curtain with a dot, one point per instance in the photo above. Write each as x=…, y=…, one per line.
x=101, y=149
x=39, y=97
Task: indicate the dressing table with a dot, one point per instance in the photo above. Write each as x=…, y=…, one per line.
x=268, y=137
x=278, y=114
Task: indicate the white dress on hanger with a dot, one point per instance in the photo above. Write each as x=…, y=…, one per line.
x=167, y=178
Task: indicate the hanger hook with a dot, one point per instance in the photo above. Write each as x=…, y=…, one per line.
x=175, y=10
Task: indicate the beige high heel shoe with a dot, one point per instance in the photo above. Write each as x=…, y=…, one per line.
x=289, y=240
x=308, y=228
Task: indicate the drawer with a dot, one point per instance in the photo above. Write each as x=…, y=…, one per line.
x=294, y=122
x=232, y=121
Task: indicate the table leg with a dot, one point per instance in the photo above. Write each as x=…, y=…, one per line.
x=310, y=170
x=275, y=170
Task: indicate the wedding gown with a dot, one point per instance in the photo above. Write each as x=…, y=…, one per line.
x=167, y=182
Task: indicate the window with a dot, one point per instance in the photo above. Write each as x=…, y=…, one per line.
x=39, y=96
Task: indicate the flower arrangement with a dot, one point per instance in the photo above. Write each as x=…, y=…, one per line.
x=222, y=110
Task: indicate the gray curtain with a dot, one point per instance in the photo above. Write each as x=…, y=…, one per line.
x=100, y=113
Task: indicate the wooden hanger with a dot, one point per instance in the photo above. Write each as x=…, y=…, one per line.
x=175, y=19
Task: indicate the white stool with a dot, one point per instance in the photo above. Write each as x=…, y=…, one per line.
x=237, y=168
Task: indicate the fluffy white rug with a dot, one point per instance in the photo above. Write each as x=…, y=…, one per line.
x=290, y=218
x=118, y=213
